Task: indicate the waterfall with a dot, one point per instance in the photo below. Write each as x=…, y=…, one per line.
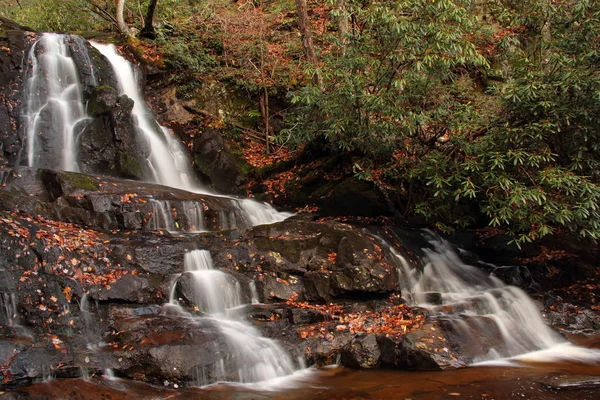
x=168, y=162
x=55, y=115
x=190, y=216
x=466, y=296
x=217, y=294
x=55, y=112
x=54, y=104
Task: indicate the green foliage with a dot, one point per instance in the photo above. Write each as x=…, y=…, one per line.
x=186, y=55
x=536, y=169
x=399, y=84
x=56, y=15
x=520, y=153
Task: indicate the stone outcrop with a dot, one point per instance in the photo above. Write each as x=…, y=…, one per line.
x=107, y=204
x=214, y=160
x=87, y=296
x=110, y=143
x=14, y=44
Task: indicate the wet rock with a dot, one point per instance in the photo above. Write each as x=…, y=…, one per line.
x=426, y=348
x=26, y=359
x=14, y=44
x=432, y=297
x=571, y=382
x=129, y=288
x=158, y=348
x=326, y=351
x=280, y=288
x=570, y=319
x=110, y=203
x=334, y=260
x=300, y=316
x=362, y=352
x=111, y=144
x=93, y=71
x=214, y=159
x=102, y=102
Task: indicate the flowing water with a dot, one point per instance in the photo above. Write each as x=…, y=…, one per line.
x=217, y=295
x=470, y=299
x=168, y=161
x=55, y=113
x=190, y=217
x=54, y=103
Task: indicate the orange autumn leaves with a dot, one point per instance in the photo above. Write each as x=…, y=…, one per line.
x=394, y=320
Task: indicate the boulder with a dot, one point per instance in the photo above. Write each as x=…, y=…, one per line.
x=110, y=144
x=94, y=69
x=213, y=158
x=330, y=260
x=362, y=352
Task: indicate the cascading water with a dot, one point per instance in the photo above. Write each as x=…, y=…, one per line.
x=54, y=103
x=8, y=305
x=190, y=216
x=217, y=294
x=55, y=115
x=168, y=162
x=463, y=294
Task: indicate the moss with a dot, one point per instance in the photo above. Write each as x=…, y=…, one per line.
x=97, y=105
x=12, y=193
x=80, y=181
x=238, y=155
x=130, y=166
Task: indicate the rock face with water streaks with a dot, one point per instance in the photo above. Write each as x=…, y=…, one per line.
x=95, y=298
x=107, y=141
x=110, y=144
x=14, y=42
x=110, y=204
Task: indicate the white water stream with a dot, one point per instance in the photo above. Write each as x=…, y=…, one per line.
x=55, y=109
x=461, y=293
x=217, y=294
x=169, y=163
x=54, y=104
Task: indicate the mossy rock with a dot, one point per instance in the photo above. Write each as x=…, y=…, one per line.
x=130, y=166
x=103, y=100
x=78, y=181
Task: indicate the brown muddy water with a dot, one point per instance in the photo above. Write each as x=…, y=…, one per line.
x=560, y=381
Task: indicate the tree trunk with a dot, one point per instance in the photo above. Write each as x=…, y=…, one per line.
x=344, y=26
x=306, y=33
x=264, y=110
x=148, y=30
x=123, y=28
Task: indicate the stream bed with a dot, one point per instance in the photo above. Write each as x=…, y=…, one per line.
x=551, y=381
